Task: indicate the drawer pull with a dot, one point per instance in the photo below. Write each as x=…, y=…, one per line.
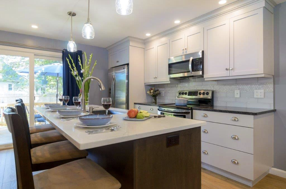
x=205, y=152
x=235, y=119
x=235, y=137
x=234, y=161
x=205, y=115
x=151, y=109
x=205, y=131
x=139, y=107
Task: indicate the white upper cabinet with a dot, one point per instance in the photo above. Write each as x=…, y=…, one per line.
x=216, y=38
x=150, y=64
x=246, y=43
x=119, y=57
x=156, y=62
x=177, y=44
x=162, y=61
x=194, y=39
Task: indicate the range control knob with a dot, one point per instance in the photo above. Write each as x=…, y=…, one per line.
x=186, y=93
x=207, y=93
x=200, y=93
x=204, y=93
x=180, y=93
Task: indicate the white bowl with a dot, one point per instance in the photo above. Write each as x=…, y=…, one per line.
x=56, y=108
x=72, y=112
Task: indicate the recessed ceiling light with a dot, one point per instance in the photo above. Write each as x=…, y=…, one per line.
x=177, y=21
x=35, y=26
x=148, y=34
x=222, y=2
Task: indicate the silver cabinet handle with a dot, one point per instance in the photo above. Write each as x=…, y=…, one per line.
x=151, y=109
x=235, y=137
x=227, y=69
x=231, y=69
x=234, y=119
x=155, y=77
x=183, y=51
x=205, y=152
x=205, y=131
x=117, y=61
x=139, y=107
x=205, y=115
x=186, y=51
x=234, y=161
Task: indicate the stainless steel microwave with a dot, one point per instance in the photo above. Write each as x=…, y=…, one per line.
x=187, y=65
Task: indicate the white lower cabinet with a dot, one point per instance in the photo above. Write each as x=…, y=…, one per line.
x=233, y=161
x=150, y=109
x=237, y=146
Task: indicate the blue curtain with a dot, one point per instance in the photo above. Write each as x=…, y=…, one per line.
x=70, y=87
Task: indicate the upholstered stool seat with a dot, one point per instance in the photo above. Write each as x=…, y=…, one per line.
x=57, y=151
x=46, y=137
x=41, y=128
x=83, y=174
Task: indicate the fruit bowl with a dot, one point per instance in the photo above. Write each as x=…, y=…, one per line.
x=95, y=120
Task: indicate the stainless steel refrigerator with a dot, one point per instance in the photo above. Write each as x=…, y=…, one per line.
x=119, y=86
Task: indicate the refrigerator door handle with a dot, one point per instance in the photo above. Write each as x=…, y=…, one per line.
x=113, y=90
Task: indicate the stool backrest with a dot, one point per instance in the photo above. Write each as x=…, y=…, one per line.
x=21, y=110
x=21, y=149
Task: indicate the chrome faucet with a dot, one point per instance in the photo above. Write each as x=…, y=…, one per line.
x=101, y=87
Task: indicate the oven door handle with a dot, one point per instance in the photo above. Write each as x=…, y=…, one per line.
x=190, y=65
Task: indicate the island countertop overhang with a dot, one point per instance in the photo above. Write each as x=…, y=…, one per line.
x=130, y=130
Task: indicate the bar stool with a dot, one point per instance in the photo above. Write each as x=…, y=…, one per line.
x=83, y=174
x=45, y=156
x=40, y=138
x=37, y=128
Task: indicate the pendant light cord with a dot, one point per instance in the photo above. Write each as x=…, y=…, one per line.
x=71, y=26
x=88, y=11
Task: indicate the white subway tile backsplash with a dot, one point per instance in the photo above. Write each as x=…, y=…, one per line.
x=224, y=91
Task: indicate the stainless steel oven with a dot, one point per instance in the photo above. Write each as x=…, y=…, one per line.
x=175, y=112
x=187, y=65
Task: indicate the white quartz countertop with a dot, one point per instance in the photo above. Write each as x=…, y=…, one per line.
x=130, y=130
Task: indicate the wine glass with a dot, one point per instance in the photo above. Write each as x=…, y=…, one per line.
x=66, y=99
x=61, y=98
x=106, y=103
x=76, y=101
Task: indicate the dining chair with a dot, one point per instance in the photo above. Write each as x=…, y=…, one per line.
x=40, y=138
x=83, y=173
x=36, y=128
x=46, y=156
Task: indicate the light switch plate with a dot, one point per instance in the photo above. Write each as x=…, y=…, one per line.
x=258, y=93
x=237, y=93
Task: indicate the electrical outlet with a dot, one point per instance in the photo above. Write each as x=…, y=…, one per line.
x=258, y=93
x=237, y=93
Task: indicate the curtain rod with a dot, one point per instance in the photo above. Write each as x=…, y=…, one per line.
x=29, y=46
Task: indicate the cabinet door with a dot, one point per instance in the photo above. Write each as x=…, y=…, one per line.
x=150, y=64
x=162, y=62
x=246, y=43
x=194, y=39
x=177, y=45
x=216, y=48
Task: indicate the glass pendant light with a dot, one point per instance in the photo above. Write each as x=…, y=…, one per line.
x=124, y=7
x=87, y=30
x=71, y=47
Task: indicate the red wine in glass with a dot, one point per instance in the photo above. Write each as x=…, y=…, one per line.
x=106, y=103
x=76, y=103
x=66, y=99
x=61, y=99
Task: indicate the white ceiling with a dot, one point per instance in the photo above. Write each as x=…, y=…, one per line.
x=153, y=16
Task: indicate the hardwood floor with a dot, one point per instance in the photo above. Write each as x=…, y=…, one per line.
x=209, y=180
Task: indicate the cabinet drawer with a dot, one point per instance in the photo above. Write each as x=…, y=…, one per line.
x=237, y=138
x=150, y=109
x=227, y=118
x=233, y=161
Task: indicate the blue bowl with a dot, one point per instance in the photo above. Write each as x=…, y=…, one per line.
x=95, y=120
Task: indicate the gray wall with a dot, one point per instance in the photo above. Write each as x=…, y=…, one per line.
x=280, y=87
x=99, y=54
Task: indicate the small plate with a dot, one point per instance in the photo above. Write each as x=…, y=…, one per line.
x=135, y=119
x=79, y=124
